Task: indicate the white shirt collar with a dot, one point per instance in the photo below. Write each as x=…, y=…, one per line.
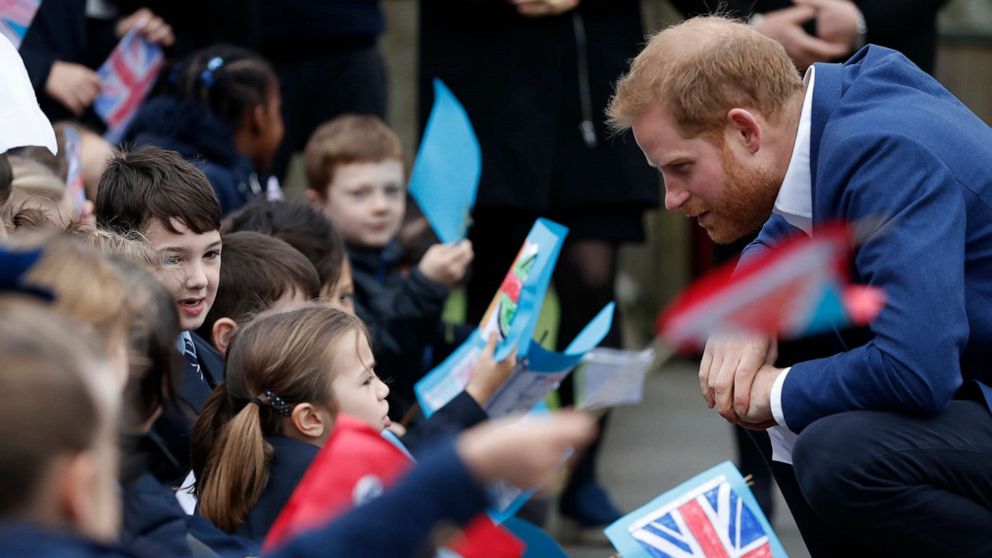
x=795, y=198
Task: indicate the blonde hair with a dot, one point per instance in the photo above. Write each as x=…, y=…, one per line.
x=349, y=138
x=700, y=69
x=86, y=286
x=131, y=246
x=273, y=363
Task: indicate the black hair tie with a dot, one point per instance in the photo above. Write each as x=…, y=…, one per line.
x=277, y=403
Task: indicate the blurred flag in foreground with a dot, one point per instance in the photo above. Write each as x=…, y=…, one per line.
x=125, y=79
x=800, y=288
x=15, y=18
x=713, y=515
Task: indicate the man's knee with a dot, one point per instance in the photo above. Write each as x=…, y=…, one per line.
x=830, y=459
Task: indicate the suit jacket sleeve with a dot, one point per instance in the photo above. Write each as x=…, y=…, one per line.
x=401, y=521
x=912, y=363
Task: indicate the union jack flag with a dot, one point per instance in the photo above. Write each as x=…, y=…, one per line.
x=711, y=521
x=15, y=18
x=125, y=79
x=74, y=176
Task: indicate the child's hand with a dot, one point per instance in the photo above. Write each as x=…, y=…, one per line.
x=539, y=8
x=446, y=263
x=488, y=374
x=73, y=85
x=149, y=25
x=525, y=452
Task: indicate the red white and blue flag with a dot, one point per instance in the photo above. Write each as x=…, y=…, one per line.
x=799, y=288
x=125, y=79
x=712, y=521
x=74, y=182
x=16, y=17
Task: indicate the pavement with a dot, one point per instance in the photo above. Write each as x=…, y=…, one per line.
x=664, y=441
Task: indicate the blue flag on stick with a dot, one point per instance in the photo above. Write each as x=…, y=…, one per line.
x=445, y=175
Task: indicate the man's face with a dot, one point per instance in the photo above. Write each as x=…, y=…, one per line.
x=190, y=268
x=366, y=202
x=712, y=179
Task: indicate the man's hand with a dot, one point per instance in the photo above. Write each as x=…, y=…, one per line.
x=488, y=375
x=73, y=85
x=728, y=368
x=785, y=26
x=541, y=8
x=758, y=413
x=446, y=263
x=836, y=21
x=149, y=25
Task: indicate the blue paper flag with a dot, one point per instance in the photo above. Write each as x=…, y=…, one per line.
x=713, y=514
x=445, y=175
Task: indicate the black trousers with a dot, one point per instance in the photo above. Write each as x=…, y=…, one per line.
x=873, y=483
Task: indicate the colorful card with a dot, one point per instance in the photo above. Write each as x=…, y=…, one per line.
x=713, y=515
x=445, y=177
x=125, y=79
x=512, y=315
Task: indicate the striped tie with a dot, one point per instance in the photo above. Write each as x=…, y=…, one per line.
x=190, y=355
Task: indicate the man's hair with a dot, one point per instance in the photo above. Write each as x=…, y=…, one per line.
x=349, y=138
x=700, y=69
x=303, y=227
x=152, y=183
x=257, y=271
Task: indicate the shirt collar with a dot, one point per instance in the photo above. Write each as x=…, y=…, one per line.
x=795, y=198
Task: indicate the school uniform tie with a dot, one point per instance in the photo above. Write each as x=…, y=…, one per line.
x=189, y=353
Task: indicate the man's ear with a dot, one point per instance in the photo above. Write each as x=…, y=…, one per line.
x=309, y=421
x=221, y=334
x=745, y=127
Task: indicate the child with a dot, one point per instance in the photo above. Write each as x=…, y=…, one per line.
x=158, y=194
x=355, y=176
x=58, y=495
x=261, y=275
x=312, y=234
x=300, y=368
x=223, y=112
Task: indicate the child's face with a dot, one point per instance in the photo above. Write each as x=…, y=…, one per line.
x=342, y=295
x=190, y=268
x=366, y=201
x=356, y=388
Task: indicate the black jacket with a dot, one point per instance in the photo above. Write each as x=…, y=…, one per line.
x=202, y=138
x=528, y=85
x=403, y=315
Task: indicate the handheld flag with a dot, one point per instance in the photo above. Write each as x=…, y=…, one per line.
x=713, y=515
x=445, y=175
x=16, y=17
x=801, y=287
x=74, y=176
x=125, y=79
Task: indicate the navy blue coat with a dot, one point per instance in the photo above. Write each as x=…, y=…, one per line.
x=203, y=139
x=398, y=523
x=888, y=141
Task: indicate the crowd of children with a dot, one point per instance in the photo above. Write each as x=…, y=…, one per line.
x=178, y=348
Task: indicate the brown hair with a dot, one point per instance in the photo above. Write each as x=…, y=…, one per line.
x=49, y=363
x=283, y=354
x=303, y=227
x=152, y=183
x=257, y=271
x=701, y=68
x=349, y=138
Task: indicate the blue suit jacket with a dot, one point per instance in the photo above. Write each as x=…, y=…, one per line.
x=887, y=141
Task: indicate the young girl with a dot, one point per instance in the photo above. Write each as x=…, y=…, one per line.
x=222, y=111
x=287, y=377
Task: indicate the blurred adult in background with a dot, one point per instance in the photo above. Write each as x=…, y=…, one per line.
x=328, y=64
x=534, y=77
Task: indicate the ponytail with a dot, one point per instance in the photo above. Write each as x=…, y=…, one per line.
x=237, y=467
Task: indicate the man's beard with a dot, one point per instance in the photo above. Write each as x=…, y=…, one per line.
x=747, y=202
